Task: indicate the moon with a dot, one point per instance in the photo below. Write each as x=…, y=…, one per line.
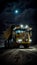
x=16, y=11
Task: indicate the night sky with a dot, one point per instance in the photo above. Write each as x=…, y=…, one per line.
x=27, y=14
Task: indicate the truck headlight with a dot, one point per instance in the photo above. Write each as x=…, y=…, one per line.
x=19, y=40
x=30, y=40
x=26, y=26
x=21, y=26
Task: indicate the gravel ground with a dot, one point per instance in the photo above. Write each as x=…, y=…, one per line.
x=18, y=57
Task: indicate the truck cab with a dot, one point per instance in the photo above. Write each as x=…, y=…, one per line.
x=18, y=36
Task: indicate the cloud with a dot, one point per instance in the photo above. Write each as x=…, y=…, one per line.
x=25, y=14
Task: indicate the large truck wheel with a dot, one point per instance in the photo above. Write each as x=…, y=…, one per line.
x=26, y=46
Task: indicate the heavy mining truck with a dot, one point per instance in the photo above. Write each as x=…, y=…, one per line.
x=18, y=36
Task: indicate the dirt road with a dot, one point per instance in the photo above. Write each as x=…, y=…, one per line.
x=19, y=56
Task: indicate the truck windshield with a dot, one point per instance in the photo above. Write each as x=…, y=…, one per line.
x=19, y=31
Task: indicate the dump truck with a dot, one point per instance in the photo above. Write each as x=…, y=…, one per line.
x=21, y=36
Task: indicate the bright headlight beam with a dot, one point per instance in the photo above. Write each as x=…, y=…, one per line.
x=26, y=26
x=19, y=40
x=21, y=26
x=30, y=40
